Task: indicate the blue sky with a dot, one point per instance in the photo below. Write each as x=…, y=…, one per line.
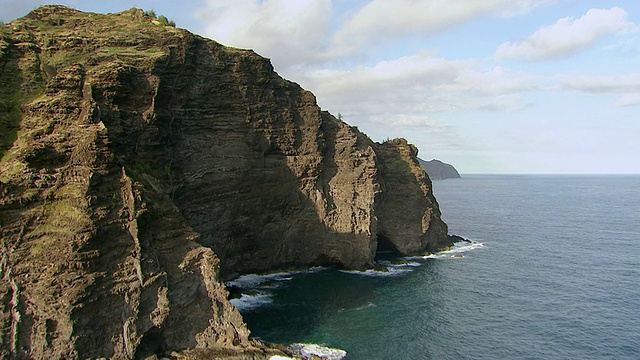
x=492, y=86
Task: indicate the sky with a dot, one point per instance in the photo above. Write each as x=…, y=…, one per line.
x=491, y=86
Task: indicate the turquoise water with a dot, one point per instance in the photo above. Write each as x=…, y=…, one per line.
x=554, y=273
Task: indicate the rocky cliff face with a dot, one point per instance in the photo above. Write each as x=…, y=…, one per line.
x=406, y=188
x=437, y=170
x=142, y=163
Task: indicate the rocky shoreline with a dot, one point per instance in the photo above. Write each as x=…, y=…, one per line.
x=142, y=164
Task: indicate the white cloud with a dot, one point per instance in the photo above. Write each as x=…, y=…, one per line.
x=407, y=73
x=383, y=19
x=497, y=81
x=628, y=85
x=409, y=91
x=297, y=32
x=629, y=100
x=568, y=35
x=291, y=32
x=521, y=7
x=443, y=105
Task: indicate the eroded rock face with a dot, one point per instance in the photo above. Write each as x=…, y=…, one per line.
x=409, y=217
x=151, y=162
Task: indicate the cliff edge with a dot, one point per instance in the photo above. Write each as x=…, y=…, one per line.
x=141, y=164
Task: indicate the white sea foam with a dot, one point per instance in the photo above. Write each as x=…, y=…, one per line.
x=389, y=268
x=278, y=357
x=404, y=263
x=256, y=288
x=368, y=305
x=251, y=301
x=463, y=246
x=420, y=257
x=252, y=281
x=256, y=280
x=389, y=271
x=309, y=350
x=365, y=306
x=454, y=251
x=408, y=264
x=316, y=269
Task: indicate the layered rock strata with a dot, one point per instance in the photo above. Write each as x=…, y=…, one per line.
x=141, y=164
x=406, y=206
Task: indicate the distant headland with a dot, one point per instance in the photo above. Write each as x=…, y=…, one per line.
x=437, y=170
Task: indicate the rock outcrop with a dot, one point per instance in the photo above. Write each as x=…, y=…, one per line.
x=437, y=170
x=406, y=188
x=141, y=164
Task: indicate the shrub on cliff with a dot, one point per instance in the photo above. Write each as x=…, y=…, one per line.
x=165, y=22
x=161, y=20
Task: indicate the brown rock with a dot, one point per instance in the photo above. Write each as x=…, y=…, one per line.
x=147, y=160
x=408, y=214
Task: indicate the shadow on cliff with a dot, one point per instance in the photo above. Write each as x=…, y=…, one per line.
x=241, y=165
x=176, y=135
x=254, y=170
x=250, y=207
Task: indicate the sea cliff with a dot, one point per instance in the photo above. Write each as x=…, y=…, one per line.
x=142, y=164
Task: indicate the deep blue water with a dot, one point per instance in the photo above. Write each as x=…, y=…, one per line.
x=554, y=274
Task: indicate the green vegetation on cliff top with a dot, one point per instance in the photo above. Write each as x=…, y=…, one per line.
x=9, y=93
x=34, y=48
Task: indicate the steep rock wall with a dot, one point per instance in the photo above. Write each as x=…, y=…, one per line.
x=93, y=263
x=139, y=162
x=408, y=213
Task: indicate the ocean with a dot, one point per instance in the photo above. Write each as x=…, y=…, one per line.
x=552, y=272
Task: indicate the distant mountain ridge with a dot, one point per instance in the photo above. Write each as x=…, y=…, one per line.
x=437, y=170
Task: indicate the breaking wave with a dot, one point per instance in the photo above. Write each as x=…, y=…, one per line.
x=260, y=280
x=387, y=271
x=251, y=301
x=256, y=290
x=310, y=351
x=455, y=251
